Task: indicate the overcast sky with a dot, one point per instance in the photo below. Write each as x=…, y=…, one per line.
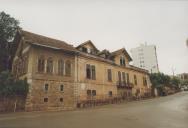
x=111, y=24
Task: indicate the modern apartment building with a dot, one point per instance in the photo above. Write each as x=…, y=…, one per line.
x=145, y=57
x=60, y=76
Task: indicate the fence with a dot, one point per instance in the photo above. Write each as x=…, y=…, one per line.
x=91, y=101
x=12, y=103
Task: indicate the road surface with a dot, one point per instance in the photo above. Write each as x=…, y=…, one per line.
x=163, y=112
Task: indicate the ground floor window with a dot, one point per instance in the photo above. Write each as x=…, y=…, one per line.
x=61, y=99
x=45, y=99
x=91, y=93
x=94, y=93
x=110, y=93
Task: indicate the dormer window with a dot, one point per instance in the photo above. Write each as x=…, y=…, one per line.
x=122, y=61
x=84, y=49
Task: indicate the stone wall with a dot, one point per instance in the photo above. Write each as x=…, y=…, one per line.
x=12, y=104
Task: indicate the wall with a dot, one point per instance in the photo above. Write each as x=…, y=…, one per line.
x=37, y=81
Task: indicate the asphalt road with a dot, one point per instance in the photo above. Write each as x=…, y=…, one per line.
x=164, y=112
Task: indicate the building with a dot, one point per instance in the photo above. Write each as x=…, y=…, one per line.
x=183, y=76
x=61, y=76
x=145, y=57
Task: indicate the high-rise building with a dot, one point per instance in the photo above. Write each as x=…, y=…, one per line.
x=145, y=57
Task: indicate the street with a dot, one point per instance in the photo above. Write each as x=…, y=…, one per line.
x=164, y=112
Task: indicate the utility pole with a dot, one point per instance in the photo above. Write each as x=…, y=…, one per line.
x=173, y=71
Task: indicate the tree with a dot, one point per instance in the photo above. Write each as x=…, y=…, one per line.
x=9, y=86
x=175, y=82
x=159, y=79
x=8, y=28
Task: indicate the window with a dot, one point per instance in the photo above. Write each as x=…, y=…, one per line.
x=41, y=61
x=91, y=93
x=45, y=99
x=94, y=93
x=110, y=93
x=46, y=87
x=68, y=68
x=61, y=88
x=93, y=72
x=119, y=76
x=84, y=49
x=123, y=75
x=88, y=92
x=135, y=80
x=49, y=67
x=122, y=61
x=144, y=81
x=90, y=72
x=128, y=78
x=61, y=99
x=60, y=67
x=24, y=65
x=109, y=74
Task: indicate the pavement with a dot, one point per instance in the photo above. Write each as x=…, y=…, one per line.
x=164, y=112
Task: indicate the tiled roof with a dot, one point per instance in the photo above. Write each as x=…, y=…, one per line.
x=45, y=41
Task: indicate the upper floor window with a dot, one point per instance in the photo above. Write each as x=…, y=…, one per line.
x=90, y=72
x=122, y=61
x=68, y=68
x=119, y=76
x=109, y=75
x=128, y=81
x=135, y=80
x=60, y=67
x=84, y=49
x=93, y=72
x=49, y=67
x=123, y=76
x=41, y=62
x=25, y=64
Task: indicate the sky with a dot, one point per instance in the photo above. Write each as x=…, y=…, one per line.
x=111, y=24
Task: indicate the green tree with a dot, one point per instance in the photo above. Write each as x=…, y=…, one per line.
x=159, y=79
x=175, y=82
x=8, y=28
x=12, y=87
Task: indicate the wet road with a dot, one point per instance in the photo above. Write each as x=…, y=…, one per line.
x=164, y=112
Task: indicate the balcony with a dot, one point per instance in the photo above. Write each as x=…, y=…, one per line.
x=123, y=84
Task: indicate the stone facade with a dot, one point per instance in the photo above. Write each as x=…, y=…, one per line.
x=85, y=73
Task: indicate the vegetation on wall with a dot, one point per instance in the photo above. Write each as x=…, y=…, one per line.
x=9, y=86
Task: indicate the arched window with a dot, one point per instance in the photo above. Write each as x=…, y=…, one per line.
x=68, y=68
x=60, y=67
x=41, y=61
x=49, y=67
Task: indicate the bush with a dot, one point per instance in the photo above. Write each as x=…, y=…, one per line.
x=9, y=86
